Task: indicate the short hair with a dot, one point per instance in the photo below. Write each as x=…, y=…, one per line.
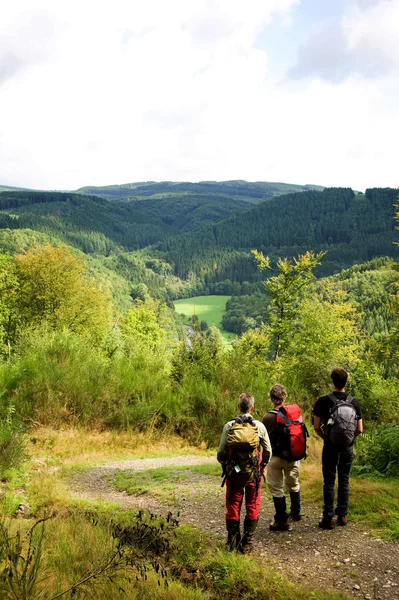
x=278, y=393
x=339, y=377
x=246, y=402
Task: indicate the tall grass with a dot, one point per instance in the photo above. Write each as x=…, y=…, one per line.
x=134, y=557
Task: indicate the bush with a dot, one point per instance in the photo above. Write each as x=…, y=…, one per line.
x=11, y=444
x=379, y=450
x=11, y=448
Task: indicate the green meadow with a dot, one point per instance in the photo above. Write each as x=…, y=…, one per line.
x=207, y=308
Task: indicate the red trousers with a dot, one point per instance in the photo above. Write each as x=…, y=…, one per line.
x=234, y=499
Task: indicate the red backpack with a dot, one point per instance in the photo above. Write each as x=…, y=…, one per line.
x=291, y=433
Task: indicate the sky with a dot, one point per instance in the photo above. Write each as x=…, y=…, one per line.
x=296, y=91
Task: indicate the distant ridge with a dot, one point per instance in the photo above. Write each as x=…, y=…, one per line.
x=258, y=190
x=9, y=188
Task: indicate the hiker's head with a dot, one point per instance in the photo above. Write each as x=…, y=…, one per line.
x=246, y=403
x=278, y=394
x=339, y=378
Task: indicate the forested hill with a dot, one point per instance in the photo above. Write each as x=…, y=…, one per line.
x=88, y=222
x=351, y=227
x=209, y=235
x=187, y=206
x=133, y=222
x=257, y=191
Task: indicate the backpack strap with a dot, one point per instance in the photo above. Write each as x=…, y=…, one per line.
x=335, y=400
x=286, y=420
x=242, y=419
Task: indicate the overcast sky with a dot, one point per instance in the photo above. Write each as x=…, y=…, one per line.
x=104, y=92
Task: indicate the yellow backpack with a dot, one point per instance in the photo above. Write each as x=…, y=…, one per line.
x=243, y=444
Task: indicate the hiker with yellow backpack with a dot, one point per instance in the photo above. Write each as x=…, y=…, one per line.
x=244, y=452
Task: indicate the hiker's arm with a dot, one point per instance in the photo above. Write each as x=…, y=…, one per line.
x=318, y=427
x=222, y=454
x=359, y=428
x=266, y=446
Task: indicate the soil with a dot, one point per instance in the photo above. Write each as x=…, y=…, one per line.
x=347, y=559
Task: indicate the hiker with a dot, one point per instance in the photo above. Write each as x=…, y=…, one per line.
x=288, y=434
x=244, y=451
x=337, y=420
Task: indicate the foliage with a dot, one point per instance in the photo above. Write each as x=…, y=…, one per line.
x=379, y=450
x=20, y=558
x=143, y=324
x=52, y=288
x=371, y=288
x=286, y=290
x=246, y=312
x=8, y=295
x=134, y=550
x=323, y=335
x=48, y=286
x=197, y=355
x=352, y=228
x=11, y=439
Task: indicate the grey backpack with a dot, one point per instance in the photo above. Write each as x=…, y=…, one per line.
x=342, y=423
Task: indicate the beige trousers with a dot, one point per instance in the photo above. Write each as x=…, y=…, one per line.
x=279, y=471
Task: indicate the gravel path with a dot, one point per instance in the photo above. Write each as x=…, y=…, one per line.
x=348, y=558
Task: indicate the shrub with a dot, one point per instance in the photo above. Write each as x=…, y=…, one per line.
x=379, y=450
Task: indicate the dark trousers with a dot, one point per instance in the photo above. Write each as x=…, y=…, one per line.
x=336, y=459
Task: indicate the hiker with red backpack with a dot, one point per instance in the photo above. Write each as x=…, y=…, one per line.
x=244, y=451
x=288, y=433
x=337, y=420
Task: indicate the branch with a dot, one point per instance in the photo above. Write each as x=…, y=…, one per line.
x=86, y=579
x=43, y=520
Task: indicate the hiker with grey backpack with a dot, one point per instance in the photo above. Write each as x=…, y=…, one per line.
x=244, y=451
x=338, y=421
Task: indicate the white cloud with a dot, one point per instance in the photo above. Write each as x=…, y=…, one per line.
x=177, y=90
x=363, y=42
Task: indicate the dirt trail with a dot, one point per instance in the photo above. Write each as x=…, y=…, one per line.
x=348, y=558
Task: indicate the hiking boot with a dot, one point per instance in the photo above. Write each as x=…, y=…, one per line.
x=342, y=520
x=245, y=545
x=233, y=534
x=296, y=514
x=279, y=526
x=280, y=507
x=326, y=523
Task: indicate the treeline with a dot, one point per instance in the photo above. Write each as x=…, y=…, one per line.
x=257, y=190
x=352, y=228
x=370, y=288
x=89, y=223
x=245, y=313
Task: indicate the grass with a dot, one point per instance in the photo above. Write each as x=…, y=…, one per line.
x=167, y=562
x=207, y=308
x=166, y=482
x=73, y=446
